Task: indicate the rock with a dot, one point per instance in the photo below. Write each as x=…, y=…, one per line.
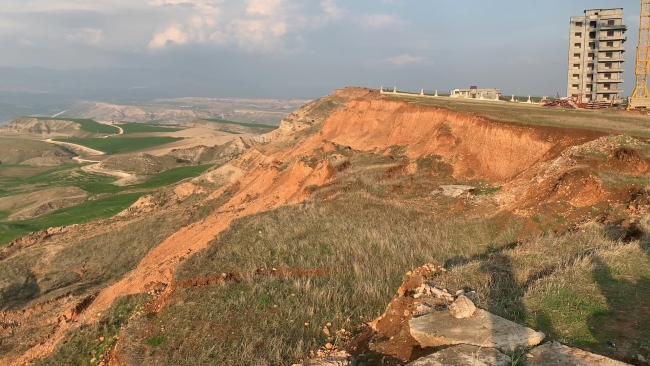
x=464, y=355
x=456, y=191
x=422, y=309
x=462, y=308
x=483, y=329
x=642, y=359
x=341, y=358
x=555, y=354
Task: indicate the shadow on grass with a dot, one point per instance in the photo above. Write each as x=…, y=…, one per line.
x=17, y=295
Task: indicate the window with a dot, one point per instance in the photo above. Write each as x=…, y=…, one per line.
x=577, y=45
x=592, y=35
x=592, y=45
x=608, y=65
x=590, y=66
x=592, y=24
x=578, y=34
x=576, y=76
x=590, y=87
x=575, y=86
x=606, y=86
x=576, y=66
x=608, y=76
x=610, y=22
x=610, y=33
x=610, y=44
x=578, y=24
x=576, y=55
x=607, y=96
x=591, y=56
x=608, y=54
x=590, y=77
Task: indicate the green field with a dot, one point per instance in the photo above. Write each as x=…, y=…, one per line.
x=31, y=179
x=120, y=145
x=252, y=125
x=85, y=212
x=130, y=128
x=87, y=125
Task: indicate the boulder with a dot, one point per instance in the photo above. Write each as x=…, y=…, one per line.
x=483, y=329
x=556, y=354
x=462, y=308
x=464, y=355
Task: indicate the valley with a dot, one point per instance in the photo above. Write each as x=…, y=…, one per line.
x=238, y=244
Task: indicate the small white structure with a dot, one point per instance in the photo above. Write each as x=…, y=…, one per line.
x=475, y=93
x=513, y=98
x=435, y=95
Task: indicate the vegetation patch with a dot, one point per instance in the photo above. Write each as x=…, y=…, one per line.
x=120, y=145
x=252, y=125
x=87, y=125
x=88, y=345
x=88, y=211
x=130, y=128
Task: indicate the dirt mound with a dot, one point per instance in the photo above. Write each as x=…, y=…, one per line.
x=43, y=126
x=46, y=161
x=30, y=205
x=135, y=164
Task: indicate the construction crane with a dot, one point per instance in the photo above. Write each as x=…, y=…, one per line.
x=640, y=97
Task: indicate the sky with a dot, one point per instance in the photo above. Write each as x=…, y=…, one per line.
x=307, y=48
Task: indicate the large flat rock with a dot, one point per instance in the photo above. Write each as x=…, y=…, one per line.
x=464, y=355
x=483, y=329
x=555, y=354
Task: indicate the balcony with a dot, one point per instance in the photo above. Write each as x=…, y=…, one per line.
x=612, y=70
x=612, y=59
x=609, y=81
x=602, y=90
x=605, y=26
x=611, y=49
x=614, y=38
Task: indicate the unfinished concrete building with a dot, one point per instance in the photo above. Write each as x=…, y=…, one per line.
x=596, y=55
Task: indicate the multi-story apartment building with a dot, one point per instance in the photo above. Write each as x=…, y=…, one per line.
x=596, y=55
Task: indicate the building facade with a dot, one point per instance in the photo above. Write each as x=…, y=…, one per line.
x=596, y=55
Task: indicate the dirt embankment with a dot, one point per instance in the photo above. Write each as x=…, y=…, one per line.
x=475, y=146
x=478, y=148
x=358, y=119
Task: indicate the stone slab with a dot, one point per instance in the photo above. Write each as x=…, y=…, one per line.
x=555, y=354
x=483, y=329
x=464, y=355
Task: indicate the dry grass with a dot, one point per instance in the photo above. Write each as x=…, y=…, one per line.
x=363, y=245
x=601, y=120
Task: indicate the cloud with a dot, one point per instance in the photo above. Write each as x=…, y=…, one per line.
x=379, y=20
x=172, y=35
x=252, y=25
x=88, y=36
x=404, y=59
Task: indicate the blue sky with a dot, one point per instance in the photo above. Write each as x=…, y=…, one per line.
x=308, y=48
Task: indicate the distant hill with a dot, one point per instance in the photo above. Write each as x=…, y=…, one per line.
x=64, y=126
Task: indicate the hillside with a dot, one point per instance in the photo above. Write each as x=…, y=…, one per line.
x=291, y=248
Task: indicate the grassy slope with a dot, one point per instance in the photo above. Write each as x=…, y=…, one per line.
x=87, y=125
x=16, y=150
x=90, y=210
x=130, y=128
x=87, y=211
x=603, y=120
x=120, y=145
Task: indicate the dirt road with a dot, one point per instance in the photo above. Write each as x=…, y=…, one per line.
x=80, y=147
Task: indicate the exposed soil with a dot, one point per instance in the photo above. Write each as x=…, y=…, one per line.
x=543, y=171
